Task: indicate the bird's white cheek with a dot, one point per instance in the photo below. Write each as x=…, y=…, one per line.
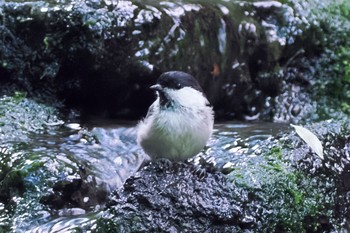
x=188, y=97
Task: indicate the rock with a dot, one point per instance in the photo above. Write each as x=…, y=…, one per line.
x=332, y=173
x=101, y=57
x=173, y=199
x=285, y=188
x=78, y=191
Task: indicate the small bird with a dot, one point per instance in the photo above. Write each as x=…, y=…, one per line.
x=179, y=122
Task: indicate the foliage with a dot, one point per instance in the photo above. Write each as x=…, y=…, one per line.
x=344, y=82
x=333, y=76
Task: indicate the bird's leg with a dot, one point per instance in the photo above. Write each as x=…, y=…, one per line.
x=198, y=171
x=164, y=164
x=202, y=168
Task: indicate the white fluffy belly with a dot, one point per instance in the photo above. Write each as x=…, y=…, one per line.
x=175, y=136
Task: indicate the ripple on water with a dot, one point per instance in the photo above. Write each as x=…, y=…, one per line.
x=109, y=156
x=85, y=223
x=65, y=173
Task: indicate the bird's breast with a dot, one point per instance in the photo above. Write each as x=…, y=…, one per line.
x=177, y=133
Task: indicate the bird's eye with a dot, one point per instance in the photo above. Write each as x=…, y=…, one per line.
x=178, y=86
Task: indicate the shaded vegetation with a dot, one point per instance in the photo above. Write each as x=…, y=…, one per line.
x=331, y=68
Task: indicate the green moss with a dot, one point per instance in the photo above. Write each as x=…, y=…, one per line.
x=332, y=80
x=20, y=116
x=290, y=201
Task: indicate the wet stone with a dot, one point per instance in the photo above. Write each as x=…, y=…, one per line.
x=331, y=173
x=175, y=200
x=255, y=50
x=78, y=191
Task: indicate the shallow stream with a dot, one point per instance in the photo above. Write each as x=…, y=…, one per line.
x=108, y=155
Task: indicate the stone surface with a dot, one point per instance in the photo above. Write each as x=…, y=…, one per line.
x=102, y=56
x=174, y=199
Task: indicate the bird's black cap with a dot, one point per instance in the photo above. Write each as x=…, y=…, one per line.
x=177, y=80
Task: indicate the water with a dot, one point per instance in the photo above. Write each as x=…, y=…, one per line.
x=231, y=140
x=109, y=155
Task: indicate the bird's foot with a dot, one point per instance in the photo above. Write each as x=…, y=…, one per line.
x=198, y=171
x=202, y=168
x=164, y=164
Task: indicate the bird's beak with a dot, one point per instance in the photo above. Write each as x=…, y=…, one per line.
x=156, y=87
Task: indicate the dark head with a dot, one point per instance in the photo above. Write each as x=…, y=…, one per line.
x=174, y=80
x=177, y=80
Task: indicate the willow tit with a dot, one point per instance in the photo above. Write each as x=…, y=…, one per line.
x=179, y=122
